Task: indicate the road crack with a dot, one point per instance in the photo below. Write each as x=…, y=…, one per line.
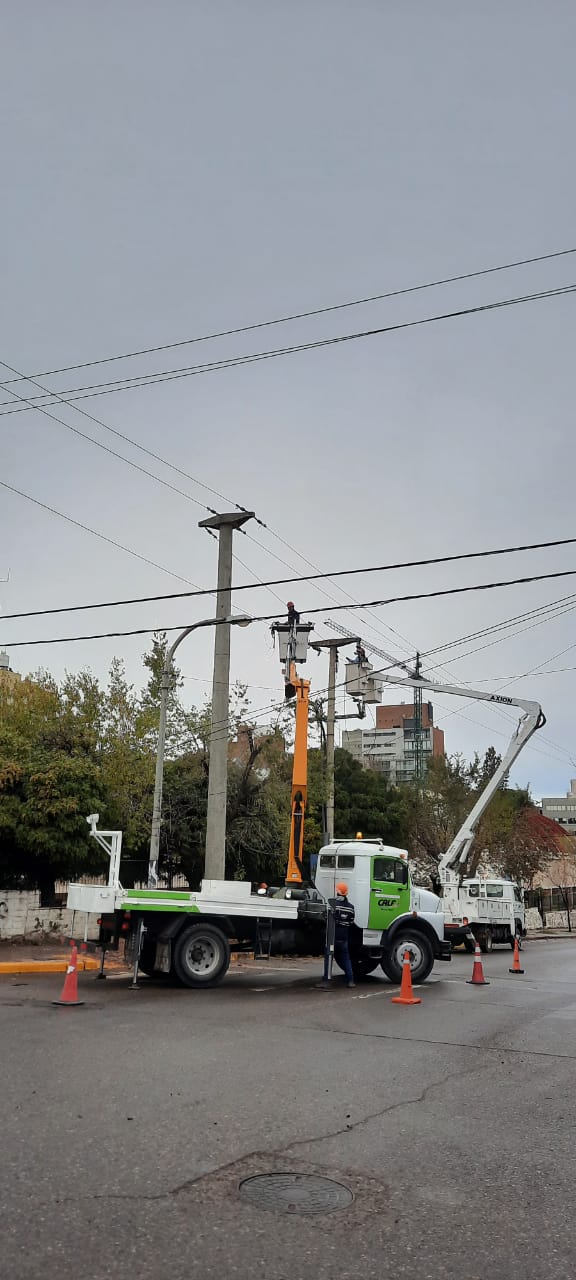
x=269, y=1153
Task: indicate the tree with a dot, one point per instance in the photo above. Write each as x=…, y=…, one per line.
x=364, y=801
x=510, y=839
x=561, y=871
x=527, y=843
x=49, y=782
x=437, y=810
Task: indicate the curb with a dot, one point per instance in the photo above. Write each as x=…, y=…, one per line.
x=85, y=963
x=550, y=937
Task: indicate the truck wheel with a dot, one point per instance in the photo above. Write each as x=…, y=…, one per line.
x=421, y=956
x=362, y=966
x=486, y=941
x=201, y=956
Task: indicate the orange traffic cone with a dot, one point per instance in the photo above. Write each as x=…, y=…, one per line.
x=70, y=989
x=406, y=993
x=477, y=979
x=516, y=961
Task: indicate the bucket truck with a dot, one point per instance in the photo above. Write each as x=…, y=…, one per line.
x=491, y=909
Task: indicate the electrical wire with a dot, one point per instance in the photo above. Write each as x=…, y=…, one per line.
x=95, y=533
x=424, y=595
x=313, y=577
x=303, y=315
x=70, y=395
x=26, y=402
x=331, y=341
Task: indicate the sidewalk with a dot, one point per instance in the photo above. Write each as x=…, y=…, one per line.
x=26, y=957
x=535, y=935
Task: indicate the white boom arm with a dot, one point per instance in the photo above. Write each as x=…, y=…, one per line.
x=532, y=718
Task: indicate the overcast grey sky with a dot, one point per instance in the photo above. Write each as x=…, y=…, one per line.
x=174, y=169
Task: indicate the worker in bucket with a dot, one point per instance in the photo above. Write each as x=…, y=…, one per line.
x=343, y=913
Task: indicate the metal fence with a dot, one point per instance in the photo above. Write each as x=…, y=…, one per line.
x=546, y=900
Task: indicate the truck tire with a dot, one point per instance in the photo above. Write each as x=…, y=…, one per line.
x=421, y=956
x=486, y=940
x=363, y=965
x=201, y=956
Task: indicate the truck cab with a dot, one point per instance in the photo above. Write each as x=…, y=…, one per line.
x=391, y=914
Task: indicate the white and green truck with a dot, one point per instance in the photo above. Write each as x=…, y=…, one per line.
x=189, y=936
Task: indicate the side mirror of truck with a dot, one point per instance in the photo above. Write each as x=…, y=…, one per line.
x=404, y=873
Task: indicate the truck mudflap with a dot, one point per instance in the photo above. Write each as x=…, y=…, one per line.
x=444, y=950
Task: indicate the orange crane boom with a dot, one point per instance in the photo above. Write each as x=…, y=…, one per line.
x=294, y=873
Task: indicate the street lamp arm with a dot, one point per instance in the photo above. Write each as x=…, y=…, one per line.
x=206, y=622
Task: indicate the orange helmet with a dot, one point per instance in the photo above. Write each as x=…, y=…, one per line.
x=342, y=889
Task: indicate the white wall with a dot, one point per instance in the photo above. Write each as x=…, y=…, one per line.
x=554, y=919
x=21, y=916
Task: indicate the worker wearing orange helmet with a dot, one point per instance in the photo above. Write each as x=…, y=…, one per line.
x=343, y=913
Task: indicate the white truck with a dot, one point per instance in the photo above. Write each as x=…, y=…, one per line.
x=189, y=936
x=487, y=909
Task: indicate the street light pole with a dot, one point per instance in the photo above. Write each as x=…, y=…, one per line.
x=215, y=858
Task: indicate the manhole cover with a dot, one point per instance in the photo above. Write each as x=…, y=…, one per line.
x=295, y=1193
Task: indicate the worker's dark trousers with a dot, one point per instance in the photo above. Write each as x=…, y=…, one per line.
x=342, y=958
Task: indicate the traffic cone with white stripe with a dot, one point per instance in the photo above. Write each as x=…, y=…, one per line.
x=70, y=989
x=406, y=993
x=516, y=961
x=477, y=979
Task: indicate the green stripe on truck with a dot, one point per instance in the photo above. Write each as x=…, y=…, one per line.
x=134, y=904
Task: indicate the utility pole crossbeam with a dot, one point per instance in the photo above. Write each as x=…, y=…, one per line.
x=215, y=860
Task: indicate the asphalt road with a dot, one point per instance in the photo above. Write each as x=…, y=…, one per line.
x=129, y=1124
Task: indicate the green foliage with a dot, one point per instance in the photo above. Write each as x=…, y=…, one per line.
x=364, y=801
x=69, y=750
x=49, y=782
x=508, y=840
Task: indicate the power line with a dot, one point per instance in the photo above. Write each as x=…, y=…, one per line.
x=303, y=315
x=270, y=617
x=548, y=615
x=106, y=448
x=180, y=471
x=157, y=457
x=70, y=395
x=86, y=528
x=313, y=577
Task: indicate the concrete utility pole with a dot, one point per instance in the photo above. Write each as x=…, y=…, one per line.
x=215, y=860
x=333, y=647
